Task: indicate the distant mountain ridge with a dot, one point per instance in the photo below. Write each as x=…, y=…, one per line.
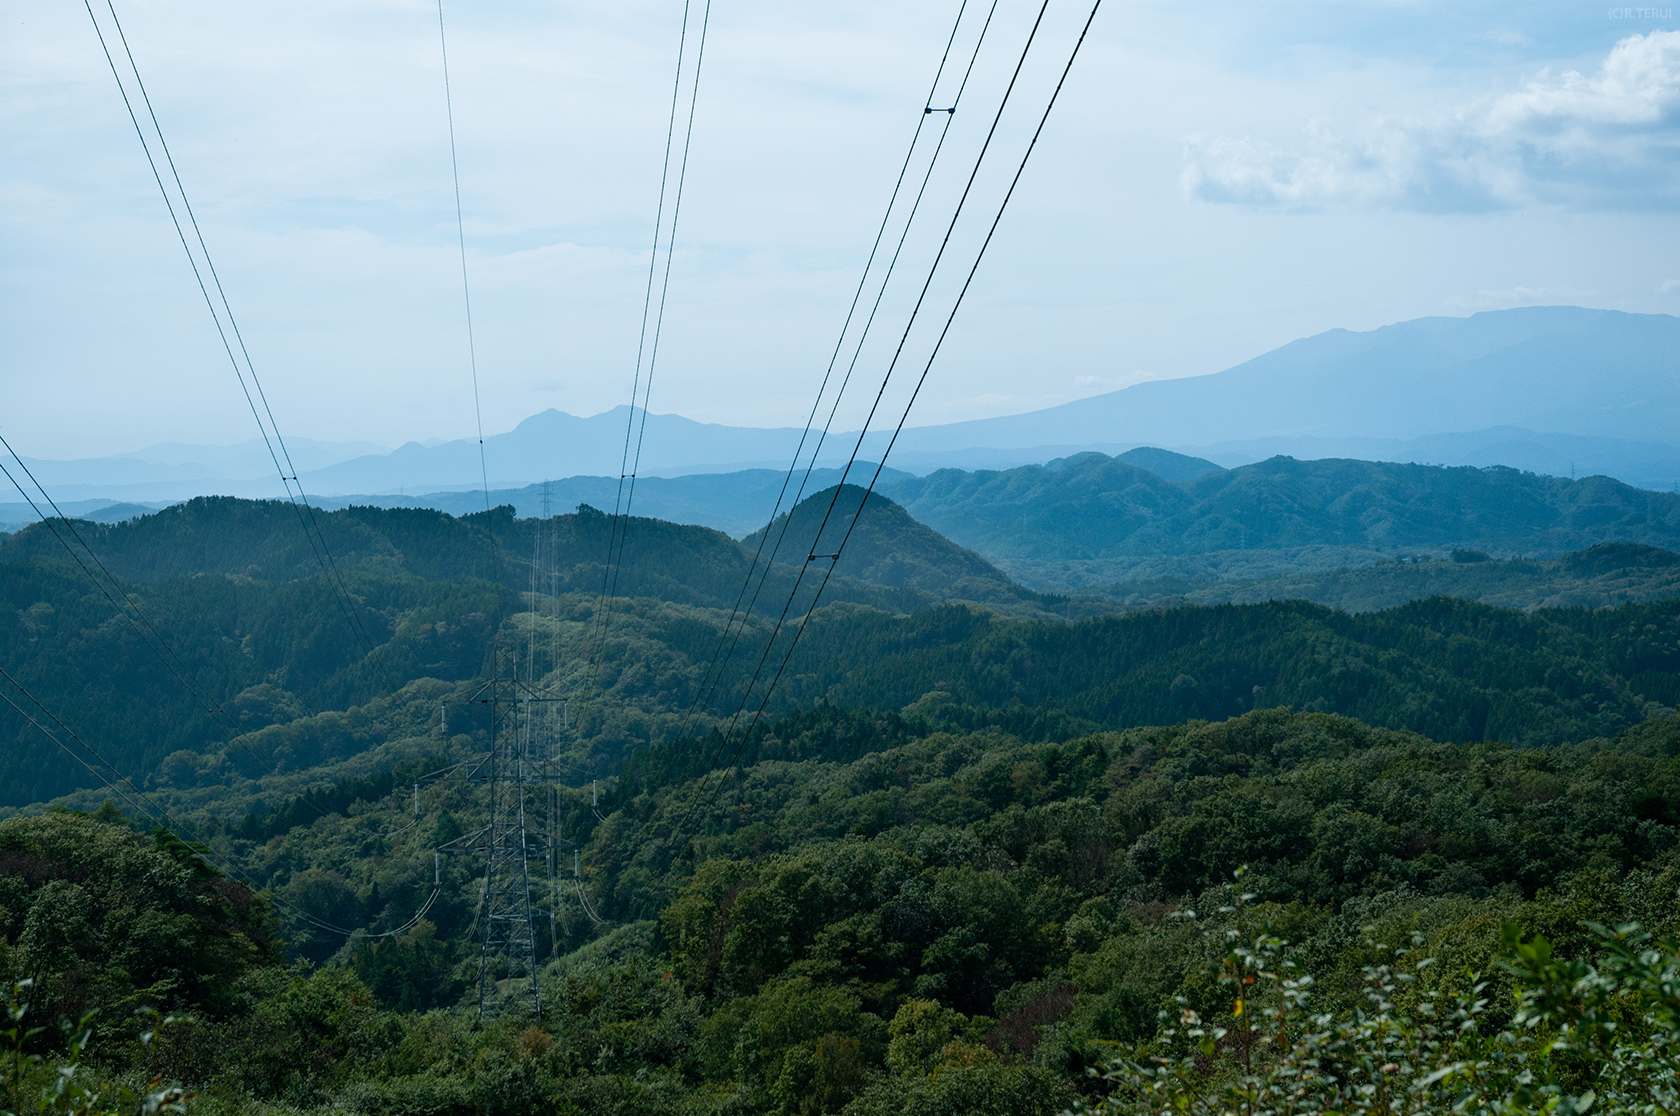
x=1549, y=371
x=892, y=561
x=1087, y=521
x=1642, y=464
x=735, y=503
x=1538, y=388
x=1562, y=369
x=1037, y=520
x=173, y=470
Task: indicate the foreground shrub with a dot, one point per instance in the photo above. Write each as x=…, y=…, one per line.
x=1583, y=1037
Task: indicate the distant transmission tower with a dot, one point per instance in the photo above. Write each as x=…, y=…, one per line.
x=517, y=760
x=524, y=736
x=507, y=966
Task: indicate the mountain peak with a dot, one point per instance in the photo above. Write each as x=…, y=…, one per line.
x=885, y=546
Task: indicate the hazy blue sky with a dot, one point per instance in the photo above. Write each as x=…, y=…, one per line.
x=1220, y=179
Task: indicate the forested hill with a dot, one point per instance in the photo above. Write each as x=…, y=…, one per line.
x=232, y=592
x=1451, y=669
x=1607, y=575
x=884, y=546
x=1167, y=464
x=302, y=693
x=265, y=541
x=229, y=586
x=1091, y=506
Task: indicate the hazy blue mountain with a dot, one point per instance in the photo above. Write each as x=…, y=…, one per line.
x=1538, y=388
x=738, y=502
x=556, y=444
x=1166, y=464
x=1091, y=519
x=735, y=503
x=1641, y=464
x=16, y=516
x=176, y=470
x=548, y=445
x=248, y=458
x=1562, y=369
x=119, y=513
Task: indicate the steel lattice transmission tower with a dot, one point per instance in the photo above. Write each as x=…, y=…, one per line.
x=519, y=759
x=507, y=969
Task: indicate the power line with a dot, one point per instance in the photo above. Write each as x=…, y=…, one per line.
x=616, y=536
x=288, y=472
x=506, y=906
x=921, y=379
x=781, y=620
x=598, y=625
x=91, y=770
x=926, y=368
x=466, y=298
x=664, y=292
x=461, y=237
x=233, y=323
x=269, y=430
x=703, y=694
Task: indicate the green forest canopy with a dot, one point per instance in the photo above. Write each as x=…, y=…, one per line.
x=952, y=870
x=954, y=916
x=268, y=642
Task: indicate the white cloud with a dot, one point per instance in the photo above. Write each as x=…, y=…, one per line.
x=1639, y=84
x=1609, y=140
x=1669, y=286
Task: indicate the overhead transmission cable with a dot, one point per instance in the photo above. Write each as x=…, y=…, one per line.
x=926, y=368
x=729, y=732
x=502, y=821
x=726, y=645
x=664, y=292
x=466, y=299
x=270, y=430
x=956, y=305
x=135, y=800
x=273, y=440
x=461, y=239
x=629, y=466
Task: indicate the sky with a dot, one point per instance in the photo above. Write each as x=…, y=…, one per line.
x=1216, y=179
